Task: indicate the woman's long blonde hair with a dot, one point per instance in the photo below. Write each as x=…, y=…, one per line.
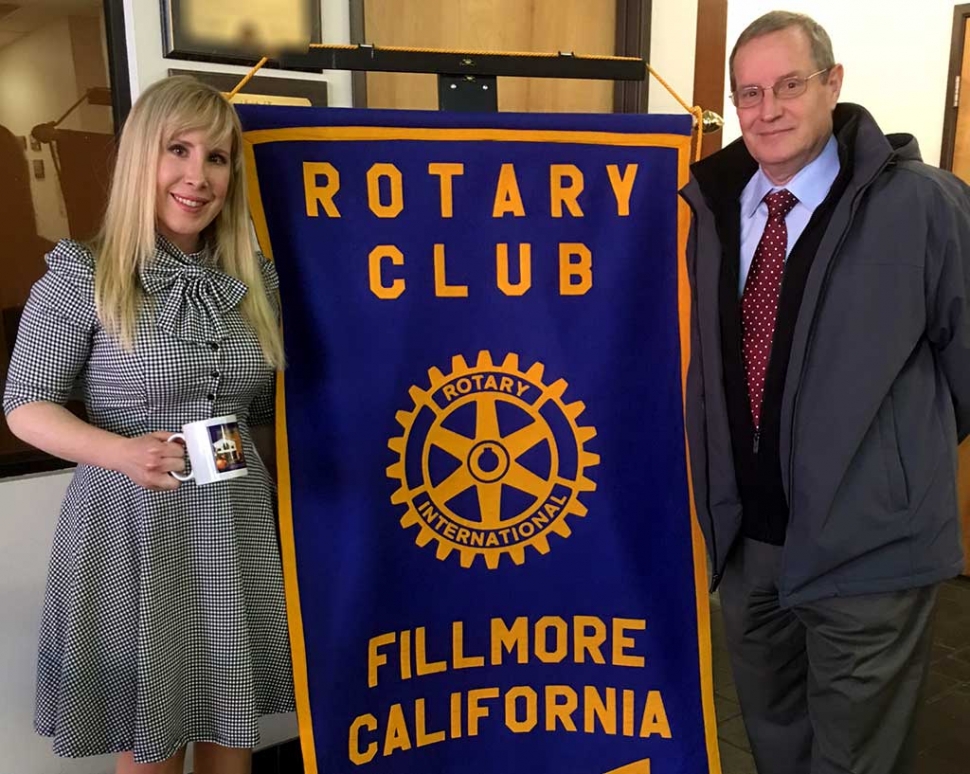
x=127, y=239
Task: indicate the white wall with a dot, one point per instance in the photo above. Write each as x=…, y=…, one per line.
x=896, y=57
x=27, y=517
x=29, y=505
x=673, y=31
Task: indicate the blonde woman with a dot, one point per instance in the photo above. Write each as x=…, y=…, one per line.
x=164, y=621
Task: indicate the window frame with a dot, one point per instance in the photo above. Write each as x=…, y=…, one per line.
x=34, y=461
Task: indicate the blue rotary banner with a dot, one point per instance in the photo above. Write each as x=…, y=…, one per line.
x=491, y=562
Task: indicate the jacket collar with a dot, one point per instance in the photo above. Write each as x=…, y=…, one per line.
x=722, y=176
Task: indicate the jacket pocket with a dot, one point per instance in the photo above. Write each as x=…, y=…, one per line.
x=898, y=493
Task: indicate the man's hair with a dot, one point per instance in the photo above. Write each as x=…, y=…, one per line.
x=776, y=21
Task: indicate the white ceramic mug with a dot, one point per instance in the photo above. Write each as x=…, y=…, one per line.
x=215, y=450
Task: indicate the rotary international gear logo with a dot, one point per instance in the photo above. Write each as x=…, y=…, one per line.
x=492, y=460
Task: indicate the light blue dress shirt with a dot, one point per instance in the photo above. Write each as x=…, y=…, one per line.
x=810, y=186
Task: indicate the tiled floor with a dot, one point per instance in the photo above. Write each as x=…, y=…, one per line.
x=944, y=725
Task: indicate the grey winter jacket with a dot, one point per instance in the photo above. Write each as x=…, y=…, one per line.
x=877, y=390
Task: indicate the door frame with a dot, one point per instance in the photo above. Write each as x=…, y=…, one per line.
x=633, y=24
x=710, y=62
x=961, y=13
x=118, y=76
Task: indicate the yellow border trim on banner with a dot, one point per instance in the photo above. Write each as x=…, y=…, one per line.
x=680, y=143
x=294, y=615
x=390, y=133
x=301, y=684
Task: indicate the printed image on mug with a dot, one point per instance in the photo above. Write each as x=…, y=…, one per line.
x=227, y=448
x=214, y=448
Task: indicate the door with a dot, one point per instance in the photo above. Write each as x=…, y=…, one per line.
x=580, y=26
x=963, y=497
x=955, y=156
x=710, y=54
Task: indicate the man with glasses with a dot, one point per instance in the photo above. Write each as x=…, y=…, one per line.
x=829, y=385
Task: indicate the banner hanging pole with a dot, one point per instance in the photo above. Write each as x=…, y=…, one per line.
x=467, y=78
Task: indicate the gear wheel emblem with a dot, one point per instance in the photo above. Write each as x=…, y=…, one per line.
x=491, y=461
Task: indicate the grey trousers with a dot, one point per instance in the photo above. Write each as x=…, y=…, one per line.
x=828, y=687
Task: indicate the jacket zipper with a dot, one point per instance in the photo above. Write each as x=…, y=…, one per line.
x=853, y=209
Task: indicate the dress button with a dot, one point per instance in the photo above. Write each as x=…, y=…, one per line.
x=210, y=396
x=213, y=346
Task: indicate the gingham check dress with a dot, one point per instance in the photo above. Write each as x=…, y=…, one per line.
x=164, y=621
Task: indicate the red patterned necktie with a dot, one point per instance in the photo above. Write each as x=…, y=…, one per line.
x=759, y=301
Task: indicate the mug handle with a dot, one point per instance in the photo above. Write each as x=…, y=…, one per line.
x=172, y=473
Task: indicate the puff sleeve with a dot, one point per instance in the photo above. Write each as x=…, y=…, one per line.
x=56, y=330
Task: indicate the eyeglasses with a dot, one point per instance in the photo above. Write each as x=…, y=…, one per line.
x=786, y=88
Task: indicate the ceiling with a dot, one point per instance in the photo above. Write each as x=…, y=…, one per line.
x=21, y=17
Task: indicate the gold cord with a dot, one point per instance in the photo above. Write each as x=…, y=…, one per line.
x=696, y=110
x=247, y=78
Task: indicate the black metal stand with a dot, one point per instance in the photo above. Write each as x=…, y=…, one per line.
x=467, y=81
x=468, y=93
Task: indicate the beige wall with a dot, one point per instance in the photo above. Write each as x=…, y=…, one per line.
x=33, y=90
x=42, y=74
x=90, y=70
x=672, y=37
